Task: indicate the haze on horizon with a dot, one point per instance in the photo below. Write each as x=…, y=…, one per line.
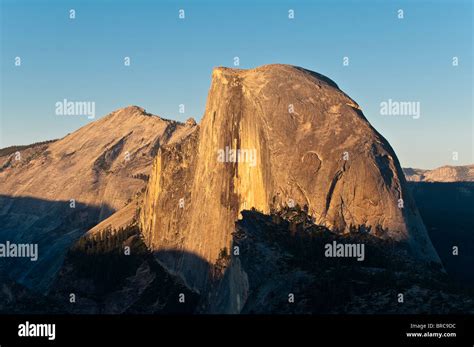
x=171, y=60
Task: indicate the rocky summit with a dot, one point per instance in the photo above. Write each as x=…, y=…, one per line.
x=53, y=192
x=272, y=137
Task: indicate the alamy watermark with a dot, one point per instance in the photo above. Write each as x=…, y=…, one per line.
x=75, y=108
x=241, y=155
x=28, y=329
x=345, y=250
x=19, y=250
x=400, y=108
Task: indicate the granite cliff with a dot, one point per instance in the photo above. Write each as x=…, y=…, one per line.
x=272, y=137
x=282, y=162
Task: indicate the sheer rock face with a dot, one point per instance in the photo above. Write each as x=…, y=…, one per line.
x=313, y=147
x=101, y=167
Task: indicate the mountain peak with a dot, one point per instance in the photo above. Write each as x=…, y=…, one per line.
x=304, y=142
x=102, y=166
x=131, y=111
x=135, y=109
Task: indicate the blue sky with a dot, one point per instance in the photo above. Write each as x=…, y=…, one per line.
x=406, y=59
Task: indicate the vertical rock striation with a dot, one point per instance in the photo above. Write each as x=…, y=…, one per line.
x=312, y=145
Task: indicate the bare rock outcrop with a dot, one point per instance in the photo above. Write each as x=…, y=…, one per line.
x=52, y=193
x=270, y=137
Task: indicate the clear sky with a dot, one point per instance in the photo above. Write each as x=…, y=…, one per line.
x=407, y=59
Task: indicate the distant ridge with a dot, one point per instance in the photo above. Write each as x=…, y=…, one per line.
x=447, y=173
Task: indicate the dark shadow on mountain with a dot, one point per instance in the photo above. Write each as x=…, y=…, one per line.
x=185, y=265
x=447, y=209
x=278, y=255
x=284, y=254
x=53, y=225
x=18, y=299
x=112, y=272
